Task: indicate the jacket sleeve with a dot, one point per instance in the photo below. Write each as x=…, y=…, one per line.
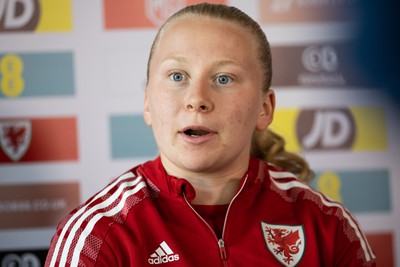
x=352, y=250
x=94, y=252
x=106, y=257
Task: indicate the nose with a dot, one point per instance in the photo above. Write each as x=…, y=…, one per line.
x=199, y=98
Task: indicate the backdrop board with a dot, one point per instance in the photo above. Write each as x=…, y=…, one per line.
x=72, y=79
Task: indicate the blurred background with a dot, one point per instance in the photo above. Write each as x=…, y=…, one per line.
x=72, y=77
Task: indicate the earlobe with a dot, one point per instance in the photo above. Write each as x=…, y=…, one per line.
x=267, y=113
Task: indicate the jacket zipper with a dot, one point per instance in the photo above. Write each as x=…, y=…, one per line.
x=221, y=242
x=222, y=250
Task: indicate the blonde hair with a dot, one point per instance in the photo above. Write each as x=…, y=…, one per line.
x=270, y=147
x=266, y=145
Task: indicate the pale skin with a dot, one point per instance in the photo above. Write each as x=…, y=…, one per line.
x=204, y=100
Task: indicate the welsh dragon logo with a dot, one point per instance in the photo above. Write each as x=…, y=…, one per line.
x=285, y=242
x=15, y=138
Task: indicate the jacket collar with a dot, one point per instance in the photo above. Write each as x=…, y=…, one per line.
x=155, y=173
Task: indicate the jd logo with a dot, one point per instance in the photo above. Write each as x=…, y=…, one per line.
x=326, y=129
x=19, y=15
x=159, y=10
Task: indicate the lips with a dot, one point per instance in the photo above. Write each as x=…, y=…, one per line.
x=197, y=134
x=194, y=132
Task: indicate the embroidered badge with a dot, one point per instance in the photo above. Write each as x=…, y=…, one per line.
x=285, y=242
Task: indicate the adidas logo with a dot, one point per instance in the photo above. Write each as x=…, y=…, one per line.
x=163, y=254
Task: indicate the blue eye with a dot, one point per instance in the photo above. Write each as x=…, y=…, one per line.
x=223, y=79
x=177, y=77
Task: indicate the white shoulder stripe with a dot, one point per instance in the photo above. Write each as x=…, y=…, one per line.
x=81, y=210
x=364, y=244
x=92, y=210
x=98, y=216
x=279, y=175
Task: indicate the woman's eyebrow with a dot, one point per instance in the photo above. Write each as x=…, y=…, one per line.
x=175, y=58
x=216, y=63
x=224, y=62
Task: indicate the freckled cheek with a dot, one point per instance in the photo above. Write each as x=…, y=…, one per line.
x=236, y=116
x=242, y=115
x=164, y=108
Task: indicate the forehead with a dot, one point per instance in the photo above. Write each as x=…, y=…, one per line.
x=199, y=34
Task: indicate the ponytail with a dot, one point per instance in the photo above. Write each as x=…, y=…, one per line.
x=270, y=147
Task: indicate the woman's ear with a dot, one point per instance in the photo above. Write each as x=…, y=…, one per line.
x=146, y=112
x=267, y=112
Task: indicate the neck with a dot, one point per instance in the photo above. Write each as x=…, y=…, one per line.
x=215, y=191
x=212, y=187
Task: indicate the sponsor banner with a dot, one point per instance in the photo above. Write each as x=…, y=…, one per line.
x=38, y=139
x=35, y=15
x=326, y=129
x=359, y=191
x=382, y=244
x=36, y=74
x=318, y=65
x=131, y=137
x=299, y=11
x=23, y=258
x=143, y=13
x=36, y=205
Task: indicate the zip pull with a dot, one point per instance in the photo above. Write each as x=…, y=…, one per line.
x=222, y=250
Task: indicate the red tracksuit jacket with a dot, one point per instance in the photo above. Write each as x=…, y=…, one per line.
x=144, y=218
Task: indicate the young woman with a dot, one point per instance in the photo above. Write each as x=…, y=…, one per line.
x=210, y=198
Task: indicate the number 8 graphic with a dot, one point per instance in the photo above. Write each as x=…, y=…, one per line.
x=12, y=82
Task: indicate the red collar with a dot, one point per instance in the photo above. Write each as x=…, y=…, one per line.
x=155, y=173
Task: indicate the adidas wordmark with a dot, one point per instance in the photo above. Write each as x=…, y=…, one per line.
x=163, y=254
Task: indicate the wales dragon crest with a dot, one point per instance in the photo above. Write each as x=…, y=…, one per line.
x=15, y=138
x=285, y=242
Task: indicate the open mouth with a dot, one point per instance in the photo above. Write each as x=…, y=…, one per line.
x=194, y=133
